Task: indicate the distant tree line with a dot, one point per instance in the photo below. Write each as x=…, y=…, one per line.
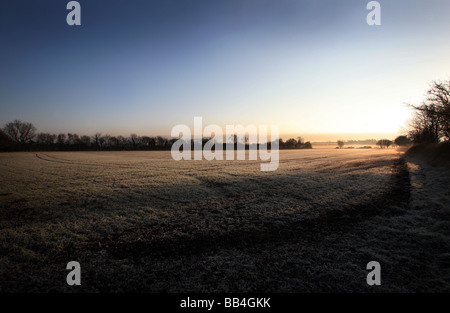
x=22, y=136
x=383, y=143
x=18, y=135
x=292, y=143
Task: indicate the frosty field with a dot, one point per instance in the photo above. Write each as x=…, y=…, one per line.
x=142, y=222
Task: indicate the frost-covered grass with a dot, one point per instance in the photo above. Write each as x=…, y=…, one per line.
x=139, y=221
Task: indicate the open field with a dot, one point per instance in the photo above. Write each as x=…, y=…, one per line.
x=139, y=221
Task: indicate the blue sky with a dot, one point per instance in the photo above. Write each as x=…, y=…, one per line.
x=144, y=66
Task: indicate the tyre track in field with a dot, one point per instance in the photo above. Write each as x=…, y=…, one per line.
x=63, y=161
x=107, y=165
x=94, y=165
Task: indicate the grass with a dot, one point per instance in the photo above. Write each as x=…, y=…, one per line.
x=139, y=221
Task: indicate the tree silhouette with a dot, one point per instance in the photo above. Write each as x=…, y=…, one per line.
x=20, y=132
x=431, y=121
x=384, y=143
x=402, y=141
x=291, y=143
x=61, y=139
x=96, y=139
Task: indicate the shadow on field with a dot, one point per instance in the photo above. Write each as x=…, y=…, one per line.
x=310, y=252
x=342, y=220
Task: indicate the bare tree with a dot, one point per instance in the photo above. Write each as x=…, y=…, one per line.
x=160, y=141
x=73, y=139
x=425, y=126
x=85, y=140
x=121, y=141
x=61, y=139
x=431, y=121
x=291, y=143
x=134, y=139
x=114, y=142
x=40, y=138
x=20, y=132
x=101, y=141
x=402, y=141
x=152, y=142
x=146, y=141
x=96, y=139
x=45, y=138
x=384, y=143
x=105, y=141
x=438, y=97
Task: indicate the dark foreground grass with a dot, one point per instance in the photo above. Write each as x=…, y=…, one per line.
x=302, y=229
x=326, y=252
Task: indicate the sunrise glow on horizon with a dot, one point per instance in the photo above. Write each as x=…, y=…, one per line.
x=315, y=68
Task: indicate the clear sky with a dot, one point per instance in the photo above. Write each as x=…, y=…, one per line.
x=142, y=67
